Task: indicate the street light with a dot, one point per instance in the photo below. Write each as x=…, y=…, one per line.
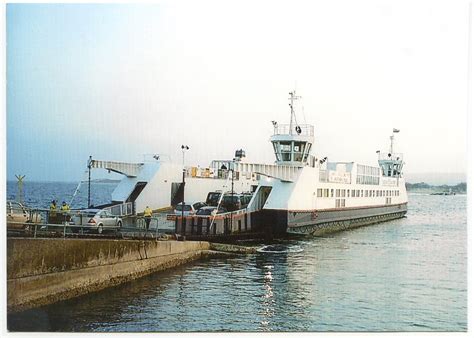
x=183, y=227
x=89, y=166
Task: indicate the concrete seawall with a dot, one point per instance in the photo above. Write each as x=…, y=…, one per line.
x=43, y=271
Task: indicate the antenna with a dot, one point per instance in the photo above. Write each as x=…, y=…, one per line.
x=292, y=98
x=392, y=138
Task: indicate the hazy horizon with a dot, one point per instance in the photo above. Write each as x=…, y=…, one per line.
x=116, y=81
x=429, y=178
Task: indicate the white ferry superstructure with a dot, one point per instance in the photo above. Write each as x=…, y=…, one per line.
x=316, y=196
x=298, y=194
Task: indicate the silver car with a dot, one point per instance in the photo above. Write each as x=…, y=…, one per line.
x=189, y=209
x=97, y=220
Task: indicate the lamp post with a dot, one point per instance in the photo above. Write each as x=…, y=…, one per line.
x=183, y=226
x=89, y=166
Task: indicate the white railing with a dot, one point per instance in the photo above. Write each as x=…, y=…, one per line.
x=284, y=129
x=392, y=157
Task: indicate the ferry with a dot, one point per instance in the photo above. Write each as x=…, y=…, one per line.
x=299, y=194
x=308, y=195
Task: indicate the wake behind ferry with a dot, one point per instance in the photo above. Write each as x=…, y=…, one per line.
x=300, y=194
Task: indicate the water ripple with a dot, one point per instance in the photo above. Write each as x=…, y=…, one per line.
x=405, y=275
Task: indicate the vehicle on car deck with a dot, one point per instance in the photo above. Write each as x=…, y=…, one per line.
x=188, y=209
x=210, y=211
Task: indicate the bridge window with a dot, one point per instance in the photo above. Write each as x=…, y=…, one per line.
x=285, y=148
x=298, y=148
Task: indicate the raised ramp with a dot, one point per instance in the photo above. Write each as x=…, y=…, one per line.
x=124, y=168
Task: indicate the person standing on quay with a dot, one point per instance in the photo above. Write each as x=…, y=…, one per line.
x=52, y=211
x=65, y=212
x=147, y=214
x=65, y=208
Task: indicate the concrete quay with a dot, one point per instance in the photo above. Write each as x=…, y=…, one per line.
x=42, y=271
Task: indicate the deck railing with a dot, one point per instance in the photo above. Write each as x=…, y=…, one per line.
x=300, y=129
x=392, y=157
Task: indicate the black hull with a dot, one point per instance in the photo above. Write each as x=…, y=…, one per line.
x=320, y=222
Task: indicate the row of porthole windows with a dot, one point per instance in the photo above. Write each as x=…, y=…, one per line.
x=356, y=193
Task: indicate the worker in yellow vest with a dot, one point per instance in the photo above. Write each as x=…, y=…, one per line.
x=52, y=208
x=65, y=212
x=65, y=208
x=52, y=212
x=147, y=214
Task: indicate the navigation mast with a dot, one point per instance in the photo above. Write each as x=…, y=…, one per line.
x=292, y=98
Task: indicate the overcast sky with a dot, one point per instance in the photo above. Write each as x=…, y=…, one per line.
x=119, y=81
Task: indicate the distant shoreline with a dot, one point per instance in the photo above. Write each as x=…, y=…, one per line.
x=102, y=180
x=460, y=188
x=97, y=180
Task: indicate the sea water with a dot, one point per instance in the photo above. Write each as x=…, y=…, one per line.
x=408, y=274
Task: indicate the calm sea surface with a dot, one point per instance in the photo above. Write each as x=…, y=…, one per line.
x=403, y=275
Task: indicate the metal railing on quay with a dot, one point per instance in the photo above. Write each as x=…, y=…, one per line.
x=75, y=223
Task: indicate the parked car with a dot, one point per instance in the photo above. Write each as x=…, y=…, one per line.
x=213, y=198
x=97, y=220
x=199, y=205
x=189, y=208
x=210, y=210
x=230, y=202
x=18, y=215
x=236, y=201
